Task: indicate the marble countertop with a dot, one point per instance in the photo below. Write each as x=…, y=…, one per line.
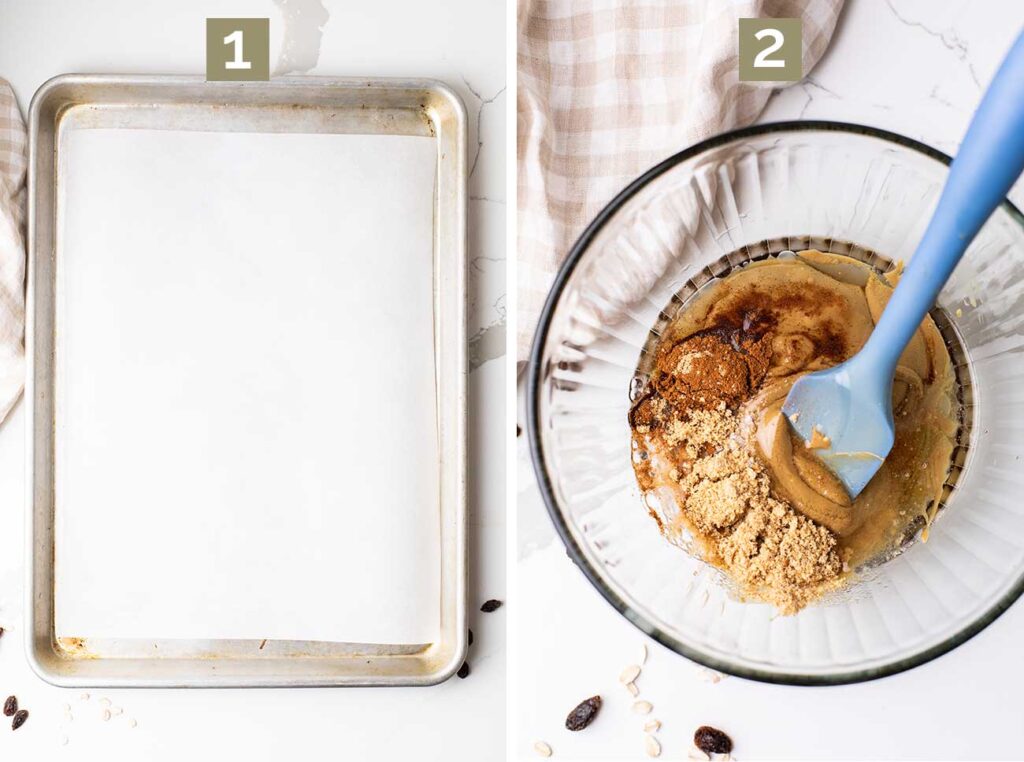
x=460, y=42
x=918, y=68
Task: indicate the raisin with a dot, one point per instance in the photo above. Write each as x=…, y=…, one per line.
x=519, y=430
x=470, y=637
x=19, y=719
x=463, y=670
x=10, y=706
x=712, y=740
x=583, y=714
x=491, y=605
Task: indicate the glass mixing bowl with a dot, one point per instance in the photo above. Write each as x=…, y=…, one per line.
x=735, y=198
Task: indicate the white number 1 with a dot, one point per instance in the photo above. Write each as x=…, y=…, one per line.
x=761, y=60
x=235, y=40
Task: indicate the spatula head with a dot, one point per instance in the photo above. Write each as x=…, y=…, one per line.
x=853, y=411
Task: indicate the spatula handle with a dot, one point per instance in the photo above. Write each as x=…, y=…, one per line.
x=990, y=160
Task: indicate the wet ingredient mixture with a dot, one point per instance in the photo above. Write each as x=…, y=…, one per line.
x=720, y=468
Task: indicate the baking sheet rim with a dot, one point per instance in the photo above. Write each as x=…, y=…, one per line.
x=445, y=114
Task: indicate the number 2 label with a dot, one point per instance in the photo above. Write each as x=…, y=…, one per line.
x=770, y=49
x=761, y=60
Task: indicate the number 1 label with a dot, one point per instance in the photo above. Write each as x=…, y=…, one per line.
x=237, y=50
x=235, y=41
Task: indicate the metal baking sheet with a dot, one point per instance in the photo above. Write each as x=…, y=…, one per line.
x=302, y=105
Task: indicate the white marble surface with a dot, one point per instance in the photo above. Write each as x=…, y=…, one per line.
x=462, y=43
x=915, y=67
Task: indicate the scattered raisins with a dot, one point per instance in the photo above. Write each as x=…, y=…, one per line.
x=712, y=740
x=10, y=706
x=470, y=637
x=463, y=670
x=583, y=714
x=519, y=429
x=491, y=605
x=19, y=719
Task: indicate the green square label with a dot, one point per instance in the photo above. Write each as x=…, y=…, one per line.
x=770, y=50
x=237, y=50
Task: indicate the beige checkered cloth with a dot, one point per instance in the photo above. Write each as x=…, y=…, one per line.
x=13, y=161
x=608, y=88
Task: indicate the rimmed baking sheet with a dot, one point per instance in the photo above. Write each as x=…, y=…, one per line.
x=246, y=331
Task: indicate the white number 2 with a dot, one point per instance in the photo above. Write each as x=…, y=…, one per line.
x=761, y=60
x=235, y=40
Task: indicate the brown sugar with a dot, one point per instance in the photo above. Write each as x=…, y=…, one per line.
x=698, y=431
x=772, y=551
x=784, y=557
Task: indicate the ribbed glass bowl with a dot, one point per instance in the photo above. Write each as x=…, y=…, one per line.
x=732, y=199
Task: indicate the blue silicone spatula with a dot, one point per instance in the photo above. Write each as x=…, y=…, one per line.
x=851, y=404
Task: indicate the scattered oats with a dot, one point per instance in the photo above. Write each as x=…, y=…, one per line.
x=696, y=753
x=642, y=707
x=643, y=655
x=633, y=690
x=652, y=747
x=653, y=726
x=629, y=674
x=132, y=723
x=542, y=749
x=106, y=715
x=84, y=697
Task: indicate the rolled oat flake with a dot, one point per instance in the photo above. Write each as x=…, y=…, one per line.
x=652, y=747
x=629, y=674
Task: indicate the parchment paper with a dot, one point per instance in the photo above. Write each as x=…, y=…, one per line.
x=246, y=427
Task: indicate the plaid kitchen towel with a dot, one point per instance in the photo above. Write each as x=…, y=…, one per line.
x=608, y=88
x=13, y=162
